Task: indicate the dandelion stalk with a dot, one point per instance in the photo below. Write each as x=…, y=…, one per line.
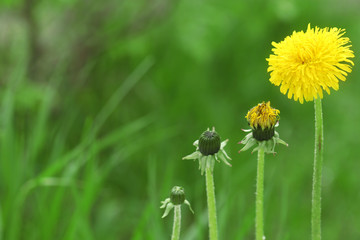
x=304, y=65
x=262, y=119
x=177, y=223
x=210, y=191
x=177, y=197
x=318, y=160
x=259, y=217
x=209, y=149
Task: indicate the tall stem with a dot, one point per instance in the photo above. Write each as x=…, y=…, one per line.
x=318, y=159
x=210, y=191
x=177, y=223
x=259, y=217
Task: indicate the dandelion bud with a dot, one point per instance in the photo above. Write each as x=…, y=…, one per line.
x=209, y=143
x=262, y=119
x=177, y=196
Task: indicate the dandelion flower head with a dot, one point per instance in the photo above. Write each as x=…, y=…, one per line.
x=306, y=63
x=262, y=116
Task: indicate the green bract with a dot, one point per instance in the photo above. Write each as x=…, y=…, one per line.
x=269, y=145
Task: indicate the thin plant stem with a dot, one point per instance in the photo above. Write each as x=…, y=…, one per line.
x=177, y=223
x=210, y=191
x=317, y=174
x=259, y=217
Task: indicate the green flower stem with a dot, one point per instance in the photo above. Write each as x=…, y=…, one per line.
x=318, y=159
x=177, y=223
x=259, y=217
x=210, y=190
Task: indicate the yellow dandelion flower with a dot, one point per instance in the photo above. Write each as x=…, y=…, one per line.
x=306, y=63
x=262, y=116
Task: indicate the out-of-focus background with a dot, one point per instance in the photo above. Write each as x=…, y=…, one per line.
x=100, y=100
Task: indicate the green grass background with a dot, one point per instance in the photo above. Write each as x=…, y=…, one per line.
x=100, y=100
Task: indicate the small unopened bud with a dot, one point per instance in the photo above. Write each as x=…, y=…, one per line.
x=177, y=195
x=209, y=143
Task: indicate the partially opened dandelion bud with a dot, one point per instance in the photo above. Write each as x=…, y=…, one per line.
x=209, y=143
x=177, y=195
x=262, y=119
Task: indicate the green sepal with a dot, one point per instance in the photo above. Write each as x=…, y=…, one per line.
x=268, y=145
x=188, y=203
x=223, y=157
x=196, y=144
x=169, y=206
x=202, y=164
x=164, y=203
x=249, y=143
x=246, y=138
x=193, y=156
x=223, y=144
x=282, y=142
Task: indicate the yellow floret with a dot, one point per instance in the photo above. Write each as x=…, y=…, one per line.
x=262, y=115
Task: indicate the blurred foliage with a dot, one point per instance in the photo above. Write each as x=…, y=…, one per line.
x=101, y=99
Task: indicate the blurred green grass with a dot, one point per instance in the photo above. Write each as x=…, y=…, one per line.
x=100, y=100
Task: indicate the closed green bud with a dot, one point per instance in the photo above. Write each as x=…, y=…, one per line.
x=177, y=195
x=209, y=143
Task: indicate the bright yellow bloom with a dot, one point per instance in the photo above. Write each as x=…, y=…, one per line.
x=262, y=116
x=306, y=63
